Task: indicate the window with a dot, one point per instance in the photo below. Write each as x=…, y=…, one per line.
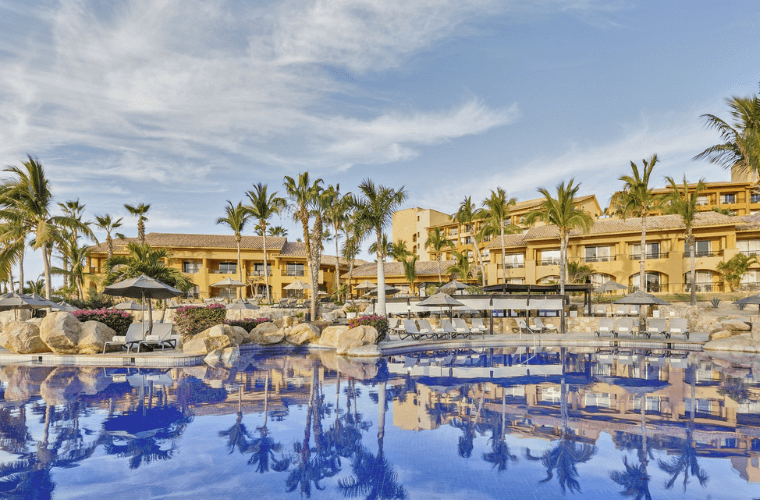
x=258, y=269
x=295, y=269
x=702, y=248
x=467, y=240
x=748, y=247
x=702, y=200
x=599, y=279
x=193, y=293
x=227, y=267
x=549, y=257
x=653, y=282
x=702, y=405
x=653, y=251
x=750, y=280
x=652, y=403
x=704, y=281
x=516, y=281
x=486, y=254
x=754, y=198
x=514, y=260
x=598, y=399
x=191, y=267
x=598, y=254
x=728, y=199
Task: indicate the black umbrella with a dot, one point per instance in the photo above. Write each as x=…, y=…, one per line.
x=610, y=286
x=642, y=299
x=142, y=287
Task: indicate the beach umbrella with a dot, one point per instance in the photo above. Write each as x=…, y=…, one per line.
x=142, y=287
x=365, y=285
x=129, y=305
x=752, y=299
x=453, y=286
x=389, y=290
x=66, y=307
x=642, y=299
x=610, y=286
x=441, y=300
x=298, y=285
x=16, y=301
x=229, y=284
x=240, y=305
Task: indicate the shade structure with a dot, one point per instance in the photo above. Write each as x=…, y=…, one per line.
x=228, y=283
x=297, y=285
x=66, y=307
x=142, y=287
x=389, y=290
x=752, y=299
x=453, y=286
x=439, y=300
x=365, y=285
x=642, y=299
x=16, y=301
x=610, y=286
x=241, y=305
x=128, y=305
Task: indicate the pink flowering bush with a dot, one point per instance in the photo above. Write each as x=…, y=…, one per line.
x=378, y=322
x=118, y=320
x=247, y=324
x=190, y=320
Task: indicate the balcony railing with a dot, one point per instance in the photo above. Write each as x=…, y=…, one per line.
x=650, y=256
x=599, y=258
x=549, y=262
x=716, y=253
x=260, y=272
x=191, y=270
x=705, y=287
x=297, y=272
x=750, y=253
x=512, y=265
x=224, y=271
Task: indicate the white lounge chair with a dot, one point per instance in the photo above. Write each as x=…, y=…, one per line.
x=656, y=327
x=426, y=327
x=621, y=310
x=536, y=325
x=606, y=326
x=411, y=330
x=624, y=325
x=523, y=327
x=600, y=310
x=678, y=326
x=463, y=330
x=129, y=340
x=161, y=336
x=478, y=326
x=544, y=327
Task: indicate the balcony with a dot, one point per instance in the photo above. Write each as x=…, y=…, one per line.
x=223, y=271
x=749, y=253
x=717, y=253
x=260, y=272
x=705, y=287
x=649, y=256
x=549, y=262
x=600, y=258
x=512, y=265
x=295, y=272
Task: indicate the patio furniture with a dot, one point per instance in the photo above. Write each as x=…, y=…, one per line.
x=478, y=326
x=656, y=327
x=536, y=325
x=544, y=327
x=461, y=328
x=425, y=326
x=678, y=326
x=523, y=327
x=621, y=310
x=411, y=330
x=129, y=340
x=282, y=304
x=449, y=331
x=161, y=336
x=600, y=310
x=634, y=310
x=624, y=325
x=606, y=326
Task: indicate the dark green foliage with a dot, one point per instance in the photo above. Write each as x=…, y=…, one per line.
x=247, y=324
x=378, y=322
x=715, y=301
x=191, y=320
x=94, y=300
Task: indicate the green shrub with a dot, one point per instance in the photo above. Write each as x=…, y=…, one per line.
x=247, y=324
x=118, y=320
x=93, y=301
x=378, y=322
x=190, y=320
x=715, y=301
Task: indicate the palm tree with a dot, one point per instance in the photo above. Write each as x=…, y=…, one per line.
x=109, y=225
x=139, y=211
x=37, y=286
x=634, y=479
x=354, y=233
x=462, y=266
x=410, y=271
x=466, y=215
x=263, y=206
x=73, y=209
x=561, y=212
x=236, y=219
x=685, y=204
x=437, y=243
x=308, y=201
x=278, y=231
x=385, y=248
x=399, y=252
x=638, y=199
x=375, y=211
x=143, y=259
x=500, y=455
x=741, y=146
x=76, y=272
x=25, y=201
x=339, y=208
x=496, y=210
x=13, y=237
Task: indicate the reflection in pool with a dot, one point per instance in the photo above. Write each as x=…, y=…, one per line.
x=483, y=423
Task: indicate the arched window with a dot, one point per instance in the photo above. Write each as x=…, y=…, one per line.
x=704, y=281
x=599, y=279
x=548, y=280
x=654, y=282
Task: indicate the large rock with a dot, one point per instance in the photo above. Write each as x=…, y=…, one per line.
x=24, y=381
x=230, y=356
x=204, y=345
x=94, y=335
x=356, y=337
x=721, y=334
x=235, y=334
x=287, y=321
x=267, y=334
x=366, y=350
x=241, y=334
x=61, y=386
x=60, y=331
x=213, y=358
x=24, y=338
x=738, y=343
x=331, y=335
x=302, y=334
x=339, y=313
x=735, y=325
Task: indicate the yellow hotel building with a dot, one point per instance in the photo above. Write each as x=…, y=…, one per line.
x=207, y=259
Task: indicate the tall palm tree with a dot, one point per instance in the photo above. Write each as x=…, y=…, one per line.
x=685, y=205
x=26, y=201
x=354, y=232
x=308, y=201
x=107, y=224
x=236, y=218
x=139, y=211
x=638, y=199
x=496, y=209
x=385, y=248
x=278, y=231
x=741, y=146
x=437, y=243
x=562, y=212
x=339, y=208
x=75, y=210
x=37, y=286
x=462, y=266
x=75, y=273
x=376, y=211
x=263, y=206
x=143, y=259
x=410, y=271
x=466, y=215
x=13, y=238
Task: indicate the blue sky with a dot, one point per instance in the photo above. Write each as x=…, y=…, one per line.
x=186, y=104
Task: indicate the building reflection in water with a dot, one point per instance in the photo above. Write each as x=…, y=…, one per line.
x=670, y=410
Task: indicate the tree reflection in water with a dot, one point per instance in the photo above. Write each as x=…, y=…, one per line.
x=466, y=441
x=262, y=449
x=500, y=455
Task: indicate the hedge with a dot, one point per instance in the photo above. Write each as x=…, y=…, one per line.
x=118, y=320
x=190, y=320
x=378, y=322
x=247, y=324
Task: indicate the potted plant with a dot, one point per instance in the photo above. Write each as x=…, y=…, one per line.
x=351, y=312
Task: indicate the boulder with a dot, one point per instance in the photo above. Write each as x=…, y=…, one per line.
x=721, y=334
x=213, y=358
x=287, y=321
x=230, y=356
x=302, y=334
x=740, y=343
x=267, y=334
x=331, y=335
x=204, y=345
x=339, y=314
x=61, y=386
x=24, y=338
x=366, y=350
x=94, y=335
x=356, y=337
x=3, y=339
x=735, y=325
x=60, y=331
x=241, y=334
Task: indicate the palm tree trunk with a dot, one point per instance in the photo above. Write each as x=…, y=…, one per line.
x=503, y=254
x=562, y=262
x=350, y=275
x=642, y=267
x=109, y=244
x=381, y=399
x=46, y=263
x=141, y=231
x=380, y=310
x=240, y=268
x=692, y=269
x=337, y=265
x=266, y=268
x=440, y=279
x=20, y=273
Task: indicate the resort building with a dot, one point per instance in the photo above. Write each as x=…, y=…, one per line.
x=207, y=259
x=411, y=226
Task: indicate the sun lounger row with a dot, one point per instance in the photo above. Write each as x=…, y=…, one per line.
x=422, y=328
x=678, y=326
x=290, y=304
x=534, y=325
x=615, y=310
x=137, y=336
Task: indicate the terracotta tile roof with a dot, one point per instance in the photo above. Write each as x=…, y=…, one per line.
x=427, y=268
x=748, y=222
x=510, y=240
x=293, y=249
x=707, y=184
x=633, y=225
x=178, y=240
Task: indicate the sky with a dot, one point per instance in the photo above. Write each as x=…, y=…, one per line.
x=187, y=104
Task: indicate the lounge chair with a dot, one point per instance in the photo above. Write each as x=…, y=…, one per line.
x=656, y=327
x=426, y=327
x=523, y=327
x=536, y=325
x=621, y=310
x=633, y=311
x=678, y=326
x=600, y=310
x=282, y=304
x=606, y=326
x=292, y=303
x=462, y=330
x=448, y=330
x=411, y=330
x=544, y=327
x=624, y=325
x=478, y=327
x=129, y=340
x=395, y=326
x=161, y=336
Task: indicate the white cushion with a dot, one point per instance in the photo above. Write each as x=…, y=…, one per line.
x=675, y=330
x=119, y=338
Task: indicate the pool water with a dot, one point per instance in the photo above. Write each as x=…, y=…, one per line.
x=469, y=423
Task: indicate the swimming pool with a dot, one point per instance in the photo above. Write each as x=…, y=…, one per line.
x=468, y=423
